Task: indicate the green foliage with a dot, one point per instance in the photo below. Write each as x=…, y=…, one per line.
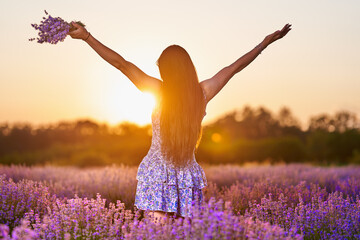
x=250, y=135
x=284, y=149
x=355, y=158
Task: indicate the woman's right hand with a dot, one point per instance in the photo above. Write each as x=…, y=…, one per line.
x=277, y=34
x=79, y=33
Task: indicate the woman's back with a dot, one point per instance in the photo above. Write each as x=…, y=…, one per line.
x=161, y=186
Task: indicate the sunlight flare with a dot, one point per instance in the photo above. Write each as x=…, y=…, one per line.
x=132, y=105
x=216, y=137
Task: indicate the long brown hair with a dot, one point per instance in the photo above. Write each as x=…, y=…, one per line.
x=182, y=106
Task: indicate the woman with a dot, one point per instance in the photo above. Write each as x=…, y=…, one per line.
x=169, y=178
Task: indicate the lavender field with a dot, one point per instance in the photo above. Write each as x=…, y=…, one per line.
x=293, y=201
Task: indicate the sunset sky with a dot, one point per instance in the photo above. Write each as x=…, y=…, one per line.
x=314, y=69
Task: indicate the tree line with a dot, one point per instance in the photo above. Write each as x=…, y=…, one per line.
x=241, y=136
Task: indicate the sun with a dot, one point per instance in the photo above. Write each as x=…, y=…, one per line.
x=126, y=104
x=145, y=105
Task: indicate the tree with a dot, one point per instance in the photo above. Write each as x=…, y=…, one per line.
x=321, y=122
x=286, y=119
x=344, y=120
x=265, y=123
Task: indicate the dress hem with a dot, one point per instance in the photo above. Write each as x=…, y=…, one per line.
x=161, y=210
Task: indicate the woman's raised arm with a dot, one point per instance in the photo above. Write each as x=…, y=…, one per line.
x=213, y=85
x=141, y=80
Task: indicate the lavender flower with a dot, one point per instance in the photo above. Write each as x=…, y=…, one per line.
x=278, y=202
x=52, y=30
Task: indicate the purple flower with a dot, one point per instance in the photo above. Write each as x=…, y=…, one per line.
x=52, y=30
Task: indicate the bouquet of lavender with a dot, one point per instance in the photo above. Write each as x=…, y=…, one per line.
x=52, y=30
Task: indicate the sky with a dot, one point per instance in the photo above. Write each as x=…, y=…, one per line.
x=314, y=69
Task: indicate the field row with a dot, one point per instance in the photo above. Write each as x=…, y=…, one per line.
x=267, y=202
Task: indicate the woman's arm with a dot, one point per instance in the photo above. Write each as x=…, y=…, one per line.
x=141, y=80
x=213, y=85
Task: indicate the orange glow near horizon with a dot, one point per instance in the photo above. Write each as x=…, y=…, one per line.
x=137, y=111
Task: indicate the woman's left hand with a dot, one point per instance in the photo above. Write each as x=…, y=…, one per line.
x=278, y=34
x=79, y=33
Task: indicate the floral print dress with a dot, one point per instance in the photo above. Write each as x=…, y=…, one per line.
x=161, y=186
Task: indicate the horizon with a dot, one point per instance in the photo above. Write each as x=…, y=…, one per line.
x=303, y=126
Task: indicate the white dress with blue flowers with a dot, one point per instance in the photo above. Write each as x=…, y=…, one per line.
x=161, y=186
